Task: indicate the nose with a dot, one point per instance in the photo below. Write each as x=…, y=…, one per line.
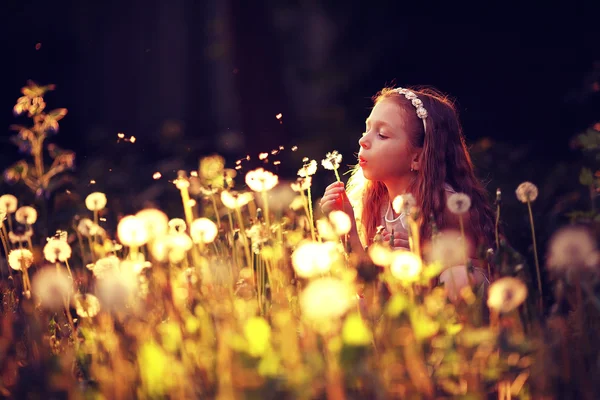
x=363, y=142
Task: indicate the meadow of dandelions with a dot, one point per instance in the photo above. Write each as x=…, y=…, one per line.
x=250, y=292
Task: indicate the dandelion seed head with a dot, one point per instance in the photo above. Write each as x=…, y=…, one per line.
x=527, y=192
x=406, y=266
x=95, y=201
x=155, y=221
x=20, y=259
x=260, y=180
x=506, y=294
x=8, y=202
x=203, y=230
x=332, y=160
x=571, y=247
x=326, y=299
x=458, y=203
x=57, y=250
x=26, y=215
x=86, y=305
x=132, y=232
x=51, y=287
x=157, y=175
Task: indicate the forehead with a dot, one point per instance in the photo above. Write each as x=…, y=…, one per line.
x=387, y=111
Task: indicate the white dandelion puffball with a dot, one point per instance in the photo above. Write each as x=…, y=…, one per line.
x=332, y=160
x=301, y=184
x=404, y=203
x=233, y=200
x=458, y=203
x=95, y=201
x=86, y=305
x=132, y=231
x=527, y=192
x=57, y=250
x=9, y=203
x=84, y=226
x=326, y=298
x=340, y=221
x=117, y=288
x=406, y=266
x=177, y=225
x=26, y=215
x=506, y=294
x=51, y=287
x=260, y=180
x=571, y=247
x=105, y=265
x=313, y=258
x=156, y=222
x=203, y=230
x=308, y=169
x=20, y=259
x=448, y=248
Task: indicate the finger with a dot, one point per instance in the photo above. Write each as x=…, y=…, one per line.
x=335, y=185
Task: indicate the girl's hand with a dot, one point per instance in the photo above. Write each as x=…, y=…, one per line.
x=400, y=239
x=335, y=198
x=455, y=279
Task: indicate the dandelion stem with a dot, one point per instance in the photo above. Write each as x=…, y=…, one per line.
x=537, y=264
x=244, y=238
x=305, y=205
x=266, y=213
x=496, y=228
x=214, y=204
x=310, y=217
x=337, y=175
x=5, y=245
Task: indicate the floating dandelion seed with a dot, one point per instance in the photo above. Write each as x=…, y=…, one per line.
x=194, y=174
x=281, y=148
x=20, y=259
x=263, y=156
x=294, y=148
x=276, y=162
x=92, y=182
x=95, y=201
x=274, y=152
x=157, y=175
x=132, y=139
x=120, y=135
x=458, y=203
x=9, y=203
x=278, y=116
x=506, y=294
x=38, y=46
x=26, y=215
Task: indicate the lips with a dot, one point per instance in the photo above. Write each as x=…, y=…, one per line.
x=361, y=161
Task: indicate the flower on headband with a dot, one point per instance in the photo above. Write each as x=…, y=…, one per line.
x=421, y=112
x=417, y=102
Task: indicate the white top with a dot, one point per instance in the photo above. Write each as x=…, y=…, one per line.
x=398, y=224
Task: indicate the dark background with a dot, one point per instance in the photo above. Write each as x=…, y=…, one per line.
x=189, y=78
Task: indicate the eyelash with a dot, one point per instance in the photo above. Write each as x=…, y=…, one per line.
x=378, y=134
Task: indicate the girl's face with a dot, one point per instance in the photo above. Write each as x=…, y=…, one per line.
x=385, y=151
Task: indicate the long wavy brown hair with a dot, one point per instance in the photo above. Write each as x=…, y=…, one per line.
x=444, y=160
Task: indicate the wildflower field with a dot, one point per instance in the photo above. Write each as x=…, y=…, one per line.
x=248, y=292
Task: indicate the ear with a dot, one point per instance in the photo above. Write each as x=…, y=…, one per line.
x=415, y=162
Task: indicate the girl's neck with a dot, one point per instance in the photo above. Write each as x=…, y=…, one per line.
x=397, y=187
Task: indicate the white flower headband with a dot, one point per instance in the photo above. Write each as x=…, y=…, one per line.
x=416, y=102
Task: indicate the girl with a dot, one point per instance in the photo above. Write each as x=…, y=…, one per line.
x=413, y=143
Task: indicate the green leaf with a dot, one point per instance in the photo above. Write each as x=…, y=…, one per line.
x=586, y=177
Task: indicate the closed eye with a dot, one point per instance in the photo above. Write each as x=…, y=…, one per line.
x=381, y=136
